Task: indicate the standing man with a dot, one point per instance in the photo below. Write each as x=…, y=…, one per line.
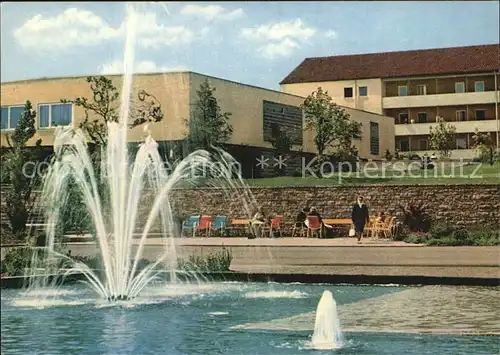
x=360, y=217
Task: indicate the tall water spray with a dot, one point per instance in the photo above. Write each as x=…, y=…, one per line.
x=327, y=333
x=114, y=208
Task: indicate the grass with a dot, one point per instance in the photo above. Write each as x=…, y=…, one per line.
x=469, y=174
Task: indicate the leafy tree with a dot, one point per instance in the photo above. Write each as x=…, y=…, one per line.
x=331, y=123
x=208, y=126
x=282, y=140
x=16, y=165
x=483, y=143
x=442, y=138
x=103, y=107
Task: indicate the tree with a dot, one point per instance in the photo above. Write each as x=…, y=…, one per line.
x=103, y=107
x=483, y=144
x=331, y=123
x=19, y=157
x=282, y=140
x=208, y=126
x=442, y=138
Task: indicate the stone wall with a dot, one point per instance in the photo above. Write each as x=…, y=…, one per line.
x=465, y=205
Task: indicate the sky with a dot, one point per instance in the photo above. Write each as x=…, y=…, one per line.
x=255, y=43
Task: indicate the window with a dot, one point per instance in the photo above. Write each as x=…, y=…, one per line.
x=459, y=87
x=460, y=115
x=422, y=117
x=363, y=91
x=479, y=86
x=374, y=138
x=403, y=90
x=480, y=115
x=421, y=90
x=52, y=115
x=461, y=142
x=404, y=146
x=10, y=116
x=422, y=144
x=347, y=92
x=403, y=118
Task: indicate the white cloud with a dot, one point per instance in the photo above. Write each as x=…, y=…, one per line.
x=331, y=34
x=71, y=28
x=145, y=66
x=288, y=29
x=279, y=39
x=281, y=49
x=211, y=12
x=77, y=28
x=152, y=34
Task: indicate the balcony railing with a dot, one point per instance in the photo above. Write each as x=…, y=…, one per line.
x=461, y=127
x=468, y=98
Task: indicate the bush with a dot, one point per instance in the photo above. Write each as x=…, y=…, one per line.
x=18, y=260
x=415, y=218
x=216, y=262
x=443, y=235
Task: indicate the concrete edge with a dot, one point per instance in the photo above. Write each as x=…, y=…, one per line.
x=360, y=279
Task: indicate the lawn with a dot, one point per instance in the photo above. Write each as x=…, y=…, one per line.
x=443, y=174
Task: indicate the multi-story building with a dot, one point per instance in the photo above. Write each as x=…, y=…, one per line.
x=460, y=85
x=256, y=112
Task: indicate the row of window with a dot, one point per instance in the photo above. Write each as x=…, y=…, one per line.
x=49, y=115
x=423, y=144
x=349, y=92
x=460, y=115
x=421, y=89
x=459, y=88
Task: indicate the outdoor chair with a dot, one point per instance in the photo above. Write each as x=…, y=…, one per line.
x=371, y=227
x=219, y=225
x=314, y=226
x=190, y=225
x=300, y=227
x=387, y=228
x=273, y=226
x=204, y=225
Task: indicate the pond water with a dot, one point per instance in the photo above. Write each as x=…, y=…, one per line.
x=244, y=318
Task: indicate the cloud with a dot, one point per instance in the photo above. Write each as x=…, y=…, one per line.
x=281, y=49
x=80, y=28
x=211, y=12
x=279, y=39
x=71, y=28
x=144, y=66
x=152, y=34
x=288, y=29
x=331, y=34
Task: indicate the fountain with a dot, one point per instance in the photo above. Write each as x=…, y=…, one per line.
x=327, y=333
x=121, y=278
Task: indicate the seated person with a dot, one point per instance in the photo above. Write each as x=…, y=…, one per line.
x=301, y=218
x=313, y=212
x=258, y=221
x=381, y=217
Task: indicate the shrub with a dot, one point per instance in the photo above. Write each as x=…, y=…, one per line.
x=18, y=260
x=388, y=155
x=443, y=235
x=214, y=262
x=415, y=218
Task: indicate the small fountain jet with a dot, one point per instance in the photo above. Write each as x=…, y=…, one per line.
x=327, y=333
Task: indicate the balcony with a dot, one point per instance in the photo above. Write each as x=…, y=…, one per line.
x=468, y=98
x=461, y=127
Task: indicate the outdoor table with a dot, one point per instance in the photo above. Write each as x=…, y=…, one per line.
x=241, y=224
x=338, y=223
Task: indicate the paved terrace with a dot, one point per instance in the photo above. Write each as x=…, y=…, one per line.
x=341, y=256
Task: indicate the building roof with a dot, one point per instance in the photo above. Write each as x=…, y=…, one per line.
x=440, y=61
